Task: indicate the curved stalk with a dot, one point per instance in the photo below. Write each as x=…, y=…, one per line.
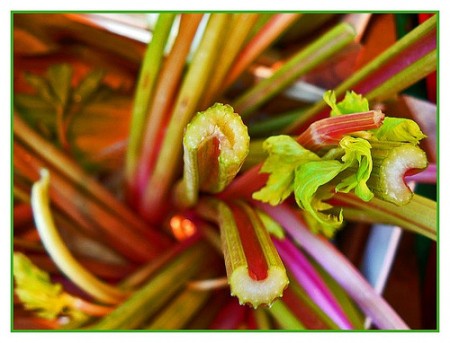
x=59, y=252
x=216, y=144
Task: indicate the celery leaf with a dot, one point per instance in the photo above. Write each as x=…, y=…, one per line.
x=357, y=154
x=284, y=155
x=352, y=103
x=37, y=292
x=308, y=178
x=399, y=130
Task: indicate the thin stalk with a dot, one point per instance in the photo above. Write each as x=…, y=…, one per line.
x=260, y=42
x=271, y=126
x=284, y=317
x=145, y=88
x=180, y=311
x=166, y=88
x=67, y=167
x=240, y=28
x=373, y=305
x=88, y=213
x=150, y=298
x=418, y=216
x=308, y=58
x=412, y=47
x=59, y=252
x=312, y=282
x=404, y=78
x=192, y=88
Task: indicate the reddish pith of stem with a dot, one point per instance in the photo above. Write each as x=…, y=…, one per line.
x=329, y=131
x=257, y=265
x=208, y=155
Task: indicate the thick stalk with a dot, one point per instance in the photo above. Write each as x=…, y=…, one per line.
x=255, y=272
x=193, y=85
x=215, y=146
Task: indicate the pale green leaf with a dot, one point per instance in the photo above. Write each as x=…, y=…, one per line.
x=352, y=103
x=284, y=155
x=399, y=130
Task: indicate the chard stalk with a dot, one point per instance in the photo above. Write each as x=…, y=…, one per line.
x=411, y=48
x=188, y=98
x=371, y=303
x=90, y=190
x=329, y=131
x=180, y=311
x=58, y=250
x=284, y=317
x=255, y=272
x=144, y=90
x=162, y=286
x=311, y=281
x=215, y=146
x=240, y=27
x=171, y=74
x=391, y=162
x=297, y=66
x=260, y=42
x=418, y=216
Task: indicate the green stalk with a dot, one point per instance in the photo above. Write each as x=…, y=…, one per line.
x=298, y=65
x=191, y=91
x=272, y=126
x=180, y=311
x=241, y=26
x=60, y=253
x=165, y=92
x=145, y=88
x=146, y=301
x=215, y=146
x=266, y=36
x=377, y=64
x=284, y=317
x=391, y=161
x=91, y=189
x=408, y=76
x=418, y=216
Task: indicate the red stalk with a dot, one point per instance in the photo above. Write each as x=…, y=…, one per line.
x=398, y=63
x=257, y=266
x=231, y=317
x=329, y=131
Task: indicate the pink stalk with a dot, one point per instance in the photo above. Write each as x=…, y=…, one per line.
x=329, y=131
x=426, y=176
x=311, y=281
x=246, y=184
x=332, y=260
x=261, y=41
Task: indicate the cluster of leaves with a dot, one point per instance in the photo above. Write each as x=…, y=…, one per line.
x=347, y=167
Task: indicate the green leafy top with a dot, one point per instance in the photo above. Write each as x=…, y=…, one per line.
x=352, y=103
x=37, y=292
x=344, y=168
x=399, y=130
